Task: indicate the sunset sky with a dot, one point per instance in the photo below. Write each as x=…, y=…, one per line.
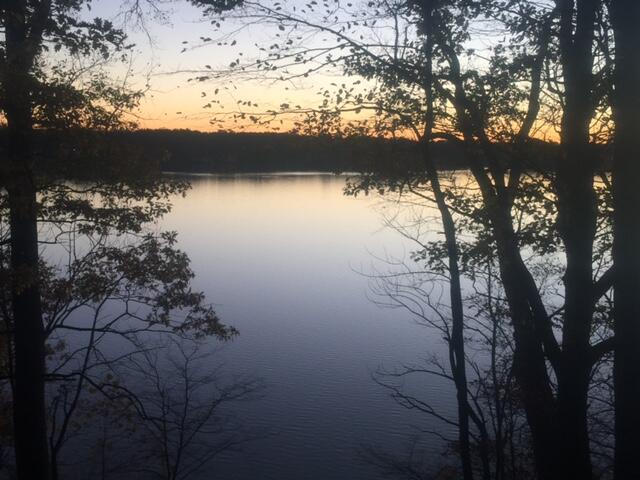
x=170, y=51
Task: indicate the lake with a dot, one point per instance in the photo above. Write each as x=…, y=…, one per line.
x=286, y=259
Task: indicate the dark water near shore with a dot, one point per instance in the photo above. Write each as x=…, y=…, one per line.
x=282, y=257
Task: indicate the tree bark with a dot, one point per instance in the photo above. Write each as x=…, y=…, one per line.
x=530, y=365
x=626, y=247
x=577, y=215
x=29, y=413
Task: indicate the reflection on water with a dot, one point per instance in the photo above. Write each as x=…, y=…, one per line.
x=279, y=255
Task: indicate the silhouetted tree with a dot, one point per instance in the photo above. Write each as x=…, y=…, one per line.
x=37, y=89
x=492, y=406
x=626, y=194
x=181, y=401
x=28, y=30
x=105, y=277
x=554, y=66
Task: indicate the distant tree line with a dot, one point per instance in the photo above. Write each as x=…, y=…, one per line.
x=192, y=151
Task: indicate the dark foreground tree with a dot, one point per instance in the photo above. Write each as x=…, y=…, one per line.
x=626, y=254
x=27, y=26
x=36, y=36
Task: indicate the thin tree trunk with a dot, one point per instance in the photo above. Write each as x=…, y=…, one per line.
x=626, y=248
x=457, y=357
x=499, y=441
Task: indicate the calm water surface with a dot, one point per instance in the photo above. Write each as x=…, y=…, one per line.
x=282, y=257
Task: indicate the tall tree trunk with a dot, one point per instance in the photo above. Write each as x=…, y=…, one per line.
x=530, y=365
x=533, y=335
x=577, y=214
x=558, y=425
x=457, y=357
x=626, y=248
x=29, y=413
